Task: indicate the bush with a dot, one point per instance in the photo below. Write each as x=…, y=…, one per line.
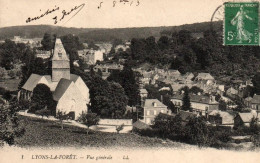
x=119, y=128
x=43, y=112
x=146, y=132
x=256, y=140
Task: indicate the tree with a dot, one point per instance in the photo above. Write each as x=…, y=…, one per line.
x=256, y=83
x=48, y=41
x=61, y=116
x=254, y=126
x=186, y=100
x=128, y=80
x=42, y=97
x=195, y=90
x=162, y=124
x=119, y=128
x=222, y=105
x=43, y=112
x=198, y=131
x=10, y=125
x=89, y=119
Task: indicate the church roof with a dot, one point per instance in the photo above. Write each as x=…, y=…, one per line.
x=74, y=77
x=32, y=82
x=59, y=51
x=61, y=88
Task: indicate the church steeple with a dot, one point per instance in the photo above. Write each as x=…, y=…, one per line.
x=60, y=62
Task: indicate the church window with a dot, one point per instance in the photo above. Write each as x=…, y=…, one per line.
x=59, y=54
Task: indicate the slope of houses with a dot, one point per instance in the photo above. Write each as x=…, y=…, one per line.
x=199, y=103
x=106, y=69
x=69, y=90
x=91, y=56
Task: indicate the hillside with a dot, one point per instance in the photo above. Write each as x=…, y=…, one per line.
x=102, y=34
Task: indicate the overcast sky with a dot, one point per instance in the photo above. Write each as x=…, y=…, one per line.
x=147, y=13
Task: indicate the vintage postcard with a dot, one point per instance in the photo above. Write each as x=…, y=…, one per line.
x=129, y=81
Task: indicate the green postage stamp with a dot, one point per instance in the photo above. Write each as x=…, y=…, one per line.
x=241, y=23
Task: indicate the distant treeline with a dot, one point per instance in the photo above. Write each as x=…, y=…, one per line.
x=102, y=34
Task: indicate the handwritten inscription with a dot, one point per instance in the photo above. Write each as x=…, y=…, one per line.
x=42, y=15
x=75, y=10
x=65, y=13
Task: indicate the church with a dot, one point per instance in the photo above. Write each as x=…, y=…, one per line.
x=69, y=90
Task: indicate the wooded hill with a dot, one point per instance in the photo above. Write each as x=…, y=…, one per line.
x=102, y=34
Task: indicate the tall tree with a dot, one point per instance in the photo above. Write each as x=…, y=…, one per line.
x=128, y=80
x=256, y=83
x=186, y=100
x=89, y=119
x=48, y=41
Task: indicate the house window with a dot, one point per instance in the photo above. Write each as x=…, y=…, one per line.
x=162, y=111
x=59, y=54
x=179, y=103
x=155, y=112
x=148, y=112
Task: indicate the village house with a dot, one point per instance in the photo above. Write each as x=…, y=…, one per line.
x=172, y=74
x=44, y=54
x=176, y=87
x=244, y=119
x=221, y=118
x=247, y=101
x=255, y=102
x=32, y=42
x=90, y=56
x=152, y=107
x=105, y=47
x=205, y=77
x=231, y=92
x=121, y=48
x=106, y=69
x=69, y=90
x=143, y=93
x=200, y=104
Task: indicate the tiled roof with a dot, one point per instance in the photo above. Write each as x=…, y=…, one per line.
x=143, y=91
x=150, y=103
x=196, y=98
x=232, y=90
x=61, y=88
x=256, y=99
x=32, y=82
x=58, y=48
x=227, y=118
x=74, y=77
x=141, y=125
x=246, y=117
x=205, y=76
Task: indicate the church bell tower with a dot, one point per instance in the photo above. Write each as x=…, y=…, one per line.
x=60, y=62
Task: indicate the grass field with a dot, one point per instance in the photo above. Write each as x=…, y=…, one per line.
x=44, y=133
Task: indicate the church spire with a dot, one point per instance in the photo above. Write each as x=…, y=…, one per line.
x=60, y=62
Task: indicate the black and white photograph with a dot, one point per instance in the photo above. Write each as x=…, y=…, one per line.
x=129, y=81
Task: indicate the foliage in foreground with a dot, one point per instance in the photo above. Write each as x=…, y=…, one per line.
x=89, y=119
x=10, y=126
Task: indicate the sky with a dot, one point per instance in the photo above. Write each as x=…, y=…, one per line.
x=146, y=13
